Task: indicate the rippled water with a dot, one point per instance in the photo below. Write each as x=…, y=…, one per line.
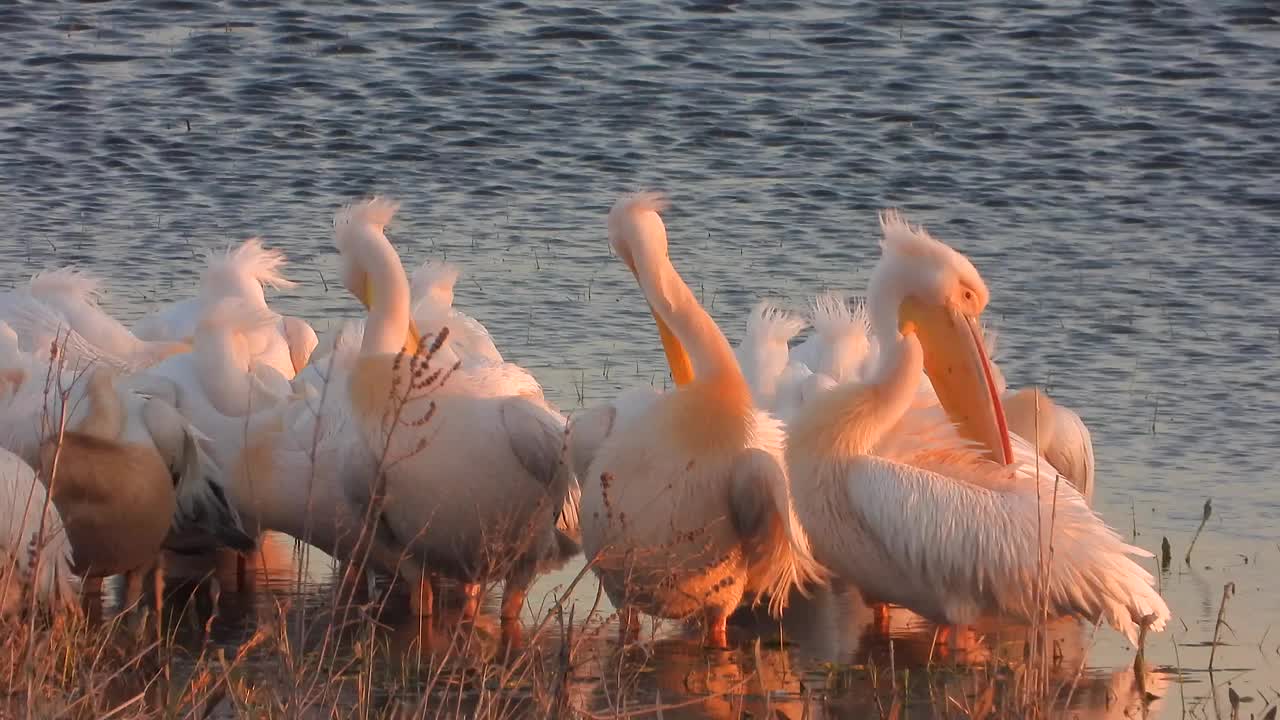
x=1110, y=166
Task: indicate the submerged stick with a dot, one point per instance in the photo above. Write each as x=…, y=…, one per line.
x=1208, y=510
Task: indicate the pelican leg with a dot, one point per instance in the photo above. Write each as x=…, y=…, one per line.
x=513, y=596
x=388, y=553
x=132, y=603
x=421, y=597
x=946, y=639
x=882, y=625
x=132, y=589
x=512, y=635
x=91, y=595
x=157, y=584
x=348, y=582
x=964, y=640
x=514, y=593
x=716, y=633
x=470, y=606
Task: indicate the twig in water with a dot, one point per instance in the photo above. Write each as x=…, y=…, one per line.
x=1208, y=510
x=322, y=280
x=1182, y=694
x=1227, y=591
x=1166, y=553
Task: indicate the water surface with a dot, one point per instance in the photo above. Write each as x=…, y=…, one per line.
x=1108, y=165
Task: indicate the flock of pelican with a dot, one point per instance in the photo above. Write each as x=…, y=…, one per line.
x=884, y=453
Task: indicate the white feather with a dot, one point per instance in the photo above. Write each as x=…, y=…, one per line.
x=35, y=554
x=763, y=352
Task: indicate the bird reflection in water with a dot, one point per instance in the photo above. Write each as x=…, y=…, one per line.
x=837, y=661
x=830, y=656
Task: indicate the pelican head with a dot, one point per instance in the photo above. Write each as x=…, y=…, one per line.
x=924, y=288
x=639, y=237
x=363, y=249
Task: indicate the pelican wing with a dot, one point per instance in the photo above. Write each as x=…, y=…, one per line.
x=204, y=516
x=1071, y=450
x=74, y=295
x=761, y=512
x=537, y=438
x=31, y=538
x=535, y=435
x=589, y=429
x=471, y=340
x=41, y=328
x=953, y=548
x=764, y=516
x=301, y=338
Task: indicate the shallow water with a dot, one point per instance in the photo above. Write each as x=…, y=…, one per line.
x=1109, y=166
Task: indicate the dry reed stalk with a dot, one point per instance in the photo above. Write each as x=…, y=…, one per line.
x=1204, y=518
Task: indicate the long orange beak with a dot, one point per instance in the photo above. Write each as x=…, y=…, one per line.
x=960, y=371
x=677, y=358
x=412, y=338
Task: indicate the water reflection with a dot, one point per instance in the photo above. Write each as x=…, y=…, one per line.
x=828, y=657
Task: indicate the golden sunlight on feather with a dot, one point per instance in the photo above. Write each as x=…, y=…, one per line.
x=685, y=503
x=925, y=519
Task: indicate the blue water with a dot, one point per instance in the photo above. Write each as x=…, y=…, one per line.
x=1110, y=167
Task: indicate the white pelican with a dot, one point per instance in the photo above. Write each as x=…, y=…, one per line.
x=35, y=555
x=432, y=292
x=65, y=303
x=948, y=533
x=843, y=349
x=239, y=274
x=468, y=346
x=123, y=470
x=685, y=506
x=459, y=474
